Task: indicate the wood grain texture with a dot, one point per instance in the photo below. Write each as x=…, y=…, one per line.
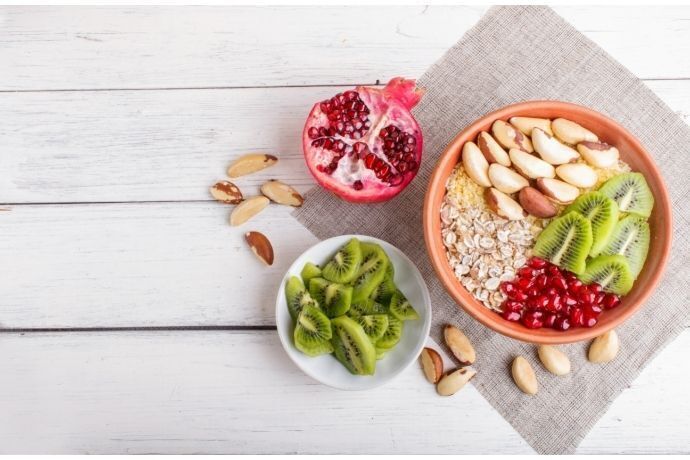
x=157, y=264
x=162, y=145
x=149, y=47
x=233, y=392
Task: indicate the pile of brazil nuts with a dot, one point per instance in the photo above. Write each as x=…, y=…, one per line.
x=533, y=165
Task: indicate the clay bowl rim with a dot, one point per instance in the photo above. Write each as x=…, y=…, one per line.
x=436, y=251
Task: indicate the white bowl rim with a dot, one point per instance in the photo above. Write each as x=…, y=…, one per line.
x=290, y=349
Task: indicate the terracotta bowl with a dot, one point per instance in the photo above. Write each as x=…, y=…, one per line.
x=631, y=152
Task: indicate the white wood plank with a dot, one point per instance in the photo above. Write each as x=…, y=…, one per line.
x=146, y=145
x=157, y=264
x=152, y=47
x=161, y=145
x=234, y=392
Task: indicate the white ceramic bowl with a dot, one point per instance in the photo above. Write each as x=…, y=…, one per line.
x=326, y=369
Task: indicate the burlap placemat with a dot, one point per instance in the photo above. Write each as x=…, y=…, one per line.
x=515, y=54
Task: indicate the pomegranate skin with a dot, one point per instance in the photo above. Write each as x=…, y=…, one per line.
x=372, y=148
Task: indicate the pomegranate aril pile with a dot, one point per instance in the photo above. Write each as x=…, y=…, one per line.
x=543, y=295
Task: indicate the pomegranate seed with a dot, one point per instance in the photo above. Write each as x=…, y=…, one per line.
x=569, y=300
x=541, y=281
x=524, y=283
x=593, y=310
x=359, y=147
x=550, y=319
x=559, y=282
x=519, y=296
x=511, y=315
x=378, y=164
x=313, y=133
x=553, y=270
x=533, y=291
x=402, y=167
x=383, y=171
x=357, y=185
x=551, y=292
x=595, y=288
x=562, y=323
x=570, y=276
x=389, y=144
x=538, y=302
x=574, y=286
x=599, y=298
x=339, y=146
x=395, y=179
x=317, y=143
x=576, y=316
x=512, y=305
x=413, y=165
x=525, y=272
x=586, y=297
x=351, y=95
x=532, y=319
x=536, y=262
x=367, y=123
x=611, y=301
x=507, y=287
x=369, y=160
x=554, y=303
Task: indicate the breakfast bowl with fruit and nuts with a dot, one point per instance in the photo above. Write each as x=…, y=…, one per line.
x=547, y=222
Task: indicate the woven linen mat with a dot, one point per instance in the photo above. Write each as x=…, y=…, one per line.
x=515, y=54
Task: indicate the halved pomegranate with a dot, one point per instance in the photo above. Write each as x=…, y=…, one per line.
x=364, y=144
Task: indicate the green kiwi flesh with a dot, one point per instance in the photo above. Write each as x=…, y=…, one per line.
x=344, y=265
x=631, y=192
x=297, y=297
x=380, y=353
x=371, y=271
x=602, y=212
x=566, y=242
x=630, y=239
x=374, y=326
x=333, y=298
x=383, y=292
x=352, y=346
x=310, y=271
x=313, y=332
x=391, y=337
x=611, y=272
x=401, y=308
x=366, y=307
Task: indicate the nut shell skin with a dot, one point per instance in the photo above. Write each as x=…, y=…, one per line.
x=536, y=203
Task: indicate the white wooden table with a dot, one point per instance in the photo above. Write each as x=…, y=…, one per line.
x=135, y=320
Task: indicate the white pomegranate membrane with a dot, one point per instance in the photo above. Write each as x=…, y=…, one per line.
x=364, y=144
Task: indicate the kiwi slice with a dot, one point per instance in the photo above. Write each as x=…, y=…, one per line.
x=631, y=192
x=366, y=307
x=602, y=213
x=310, y=271
x=401, y=308
x=297, y=297
x=611, y=272
x=565, y=242
x=371, y=271
x=630, y=239
x=374, y=325
x=352, y=347
x=333, y=298
x=383, y=292
x=392, y=335
x=313, y=332
x=343, y=267
x=380, y=353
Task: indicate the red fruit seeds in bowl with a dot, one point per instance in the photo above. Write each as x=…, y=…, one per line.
x=364, y=144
